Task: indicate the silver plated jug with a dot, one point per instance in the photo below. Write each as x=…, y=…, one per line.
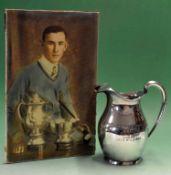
x=123, y=128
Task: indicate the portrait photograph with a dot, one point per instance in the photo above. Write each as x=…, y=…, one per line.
x=51, y=59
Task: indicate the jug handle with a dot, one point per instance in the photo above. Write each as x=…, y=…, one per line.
x=163, y=105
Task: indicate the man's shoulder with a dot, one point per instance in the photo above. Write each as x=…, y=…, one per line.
x=31, y=67
x=28, y=70
x=63, y=68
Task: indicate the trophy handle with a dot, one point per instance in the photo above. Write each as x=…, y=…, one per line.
x=18, y=112
x=163, y=105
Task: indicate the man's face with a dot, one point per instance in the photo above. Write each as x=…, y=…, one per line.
x=54, y=46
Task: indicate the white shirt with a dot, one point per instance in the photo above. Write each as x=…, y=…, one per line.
x=50, y=68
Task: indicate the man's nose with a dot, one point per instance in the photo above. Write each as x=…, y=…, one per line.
x=56, y=48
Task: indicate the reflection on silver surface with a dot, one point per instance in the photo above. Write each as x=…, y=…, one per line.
x=124, y=147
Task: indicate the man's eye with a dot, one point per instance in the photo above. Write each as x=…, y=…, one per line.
x=50, y=43
x=61, y=43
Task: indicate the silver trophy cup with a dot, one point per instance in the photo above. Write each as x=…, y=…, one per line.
x=34, y=118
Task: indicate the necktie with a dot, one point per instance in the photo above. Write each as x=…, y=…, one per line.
x=54, y=72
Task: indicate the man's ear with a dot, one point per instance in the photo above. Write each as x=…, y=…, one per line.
x=66, y=45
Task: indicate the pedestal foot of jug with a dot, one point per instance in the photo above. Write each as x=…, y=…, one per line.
x=122, y=163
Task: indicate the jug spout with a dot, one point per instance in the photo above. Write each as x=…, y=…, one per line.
x=111, y=94
x=103, y=88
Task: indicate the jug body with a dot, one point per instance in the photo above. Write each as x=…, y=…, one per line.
x=122, y=134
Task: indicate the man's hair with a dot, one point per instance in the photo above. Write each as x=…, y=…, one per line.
x=53, y=29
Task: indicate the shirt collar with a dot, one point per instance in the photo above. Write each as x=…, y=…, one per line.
x=47, y=65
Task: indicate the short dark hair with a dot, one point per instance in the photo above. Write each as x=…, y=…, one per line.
x=53, y=29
